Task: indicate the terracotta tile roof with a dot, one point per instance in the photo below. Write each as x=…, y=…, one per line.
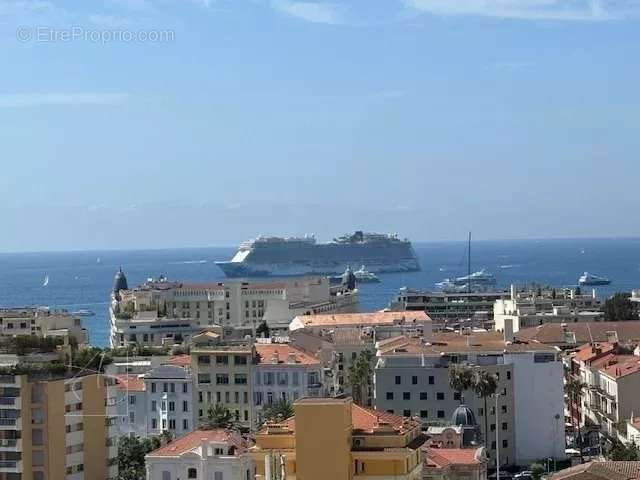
x=267, y=351
x=585, y=332
x=193, y=440
x=453, y=342
x=624, y=365
x=363, y=319
x=131, y=383
x=444, y=457
x=600, y=470
x=590, y=351
x=180, y=360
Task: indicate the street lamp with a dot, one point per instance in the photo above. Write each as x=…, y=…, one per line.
x=497, y=395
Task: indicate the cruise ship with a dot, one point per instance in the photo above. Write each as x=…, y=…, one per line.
x=278, y=257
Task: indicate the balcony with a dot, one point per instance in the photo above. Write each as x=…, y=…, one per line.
x=10, y=444
x=10, y=466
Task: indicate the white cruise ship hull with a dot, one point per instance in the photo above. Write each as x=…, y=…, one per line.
x=243, y=269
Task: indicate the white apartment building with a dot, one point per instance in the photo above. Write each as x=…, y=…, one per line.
x=536, y=307
x=42, y=322
x=613, y=382
x=283, y=372
x=163, y=399
x=202, y=454
x=162, y=311
x=412, y=379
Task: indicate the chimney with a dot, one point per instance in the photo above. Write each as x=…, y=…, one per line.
x=291, y=358
x=508, y=330
x=204, y=445
x=275, y=358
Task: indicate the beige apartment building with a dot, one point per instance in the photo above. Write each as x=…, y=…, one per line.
x=42, y=322
x=57, y=428
x=223, y=376
x=162, y=311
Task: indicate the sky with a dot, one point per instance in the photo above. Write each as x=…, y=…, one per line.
x=170, y=123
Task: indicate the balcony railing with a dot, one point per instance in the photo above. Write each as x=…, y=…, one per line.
x=8, y=463
x=7, y=421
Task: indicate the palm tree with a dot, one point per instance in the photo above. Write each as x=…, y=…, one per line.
x=460, y=378
x=218, y=416
x=574, y=388
x=281, y=409
x=485, y=384
x=359, y=374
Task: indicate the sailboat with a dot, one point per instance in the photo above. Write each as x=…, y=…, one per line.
x=46, y=281
x=472, y=282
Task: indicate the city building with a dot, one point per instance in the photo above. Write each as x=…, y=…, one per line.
x=412, y=379
x=332, y=438
x=283, y=372
x=450, y=309
x=600, y=471
x=633, y=431
x=203, y=454
x=160, y=311
x=57, y=426
x=572, y=336
x=383, y=324
x=536, y=307
x=223, y=376
x=612, y=378
x=42, y=322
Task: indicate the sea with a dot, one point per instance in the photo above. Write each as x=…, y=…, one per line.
x=84, y=279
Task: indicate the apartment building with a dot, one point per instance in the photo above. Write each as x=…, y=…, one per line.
x=536, y=307
x=612, y=376
x=332, y=438
x=283, y=372
x=412, y=379
x=223, y=376
x=203, y=454
x=166, y=312
x=55, y=427
x=163, y=399
x=572, y=336
x=42, y=322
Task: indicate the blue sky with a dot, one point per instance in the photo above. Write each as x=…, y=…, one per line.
x=510, y=118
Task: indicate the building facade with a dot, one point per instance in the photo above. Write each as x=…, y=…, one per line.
x=203, y=454
x=42, y=322
x=412, y=379
x=331, y=438
x=58, y=428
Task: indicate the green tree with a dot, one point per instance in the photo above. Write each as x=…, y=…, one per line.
x=131, y=452
x=279, y=410
x=218, y=416
x=622, y=452
x=484, y=385
x=619, y=308
x=537, y=469
x=460, y=378
x=263, y=330
x=359, y=376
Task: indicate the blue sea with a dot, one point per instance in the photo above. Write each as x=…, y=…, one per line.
x=84, y=279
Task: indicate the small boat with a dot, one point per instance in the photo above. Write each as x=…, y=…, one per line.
x=83, y=312
x=46, y=281
x=364, y=276
x=590, y=279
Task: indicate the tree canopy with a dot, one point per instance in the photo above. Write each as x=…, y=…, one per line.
x=618, y=308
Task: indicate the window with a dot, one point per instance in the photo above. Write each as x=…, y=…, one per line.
x=508, y=375
x=398, y=380
x=153, y=387
x=172, y=387
x=240, y=379
x=185, y=424
x=423, y=395
x=481, y=412
x=456, y=395
x=132, y=417
x=222, y=359
x=204, y=378
x=166, y=475
x=492, y=427
x=424, y=414
x=505, y=444
x=240, y=360
x=440, y=395
x=185, y=406
x=406, y=395
x=222, y=379
x=132, y=400
x=154, y=423
x=504, y=425
x=431, y=380
x=165, y=387
x=406, y=413
x=389, y=395
x=493, y=445
x=414, y=380
x=217, y=476
x=440, y=413
x=192, y=473
x=172, y=406
x=504, y=409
